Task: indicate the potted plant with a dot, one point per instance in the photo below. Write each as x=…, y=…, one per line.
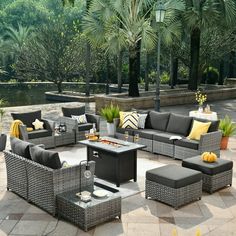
x=110, y=112
x=3, y=137
x=228, y=129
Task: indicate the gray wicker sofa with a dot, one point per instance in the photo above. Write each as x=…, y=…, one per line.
x=79, y=129
x=159, y=127
x=38, y=183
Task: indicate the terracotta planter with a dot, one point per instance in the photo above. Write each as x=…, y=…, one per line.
x=224, y=143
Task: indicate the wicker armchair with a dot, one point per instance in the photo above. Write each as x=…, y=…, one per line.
x=45, y=183
x=79, y=129
x=44, y=136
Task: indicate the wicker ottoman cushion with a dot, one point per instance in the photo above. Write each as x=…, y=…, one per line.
x=173, y=176
x=214, y=168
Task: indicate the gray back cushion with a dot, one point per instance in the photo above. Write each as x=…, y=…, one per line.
x=179, y=124
x=44, y=157
x=214, y=124
x=20, y=147
x=76, y=111
x=157, y=120
x=27, y=118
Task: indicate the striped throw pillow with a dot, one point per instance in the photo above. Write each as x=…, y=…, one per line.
x=130, y=121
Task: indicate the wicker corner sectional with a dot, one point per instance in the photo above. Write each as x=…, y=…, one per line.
x=159, y=127
x=40, y=184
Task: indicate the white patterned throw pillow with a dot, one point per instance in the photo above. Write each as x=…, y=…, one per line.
x=80, y=119
x=130, y=121
x=142, y=120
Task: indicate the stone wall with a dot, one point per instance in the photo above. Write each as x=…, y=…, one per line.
x=173, y=97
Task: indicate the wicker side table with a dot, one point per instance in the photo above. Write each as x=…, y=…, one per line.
x=87, y=215
x=64, y=138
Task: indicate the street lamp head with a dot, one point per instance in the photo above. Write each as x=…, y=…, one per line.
x=160, y=12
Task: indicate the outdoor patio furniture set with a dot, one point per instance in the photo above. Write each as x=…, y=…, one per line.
x=160, y=127
x=38, y=176
x=48, y=136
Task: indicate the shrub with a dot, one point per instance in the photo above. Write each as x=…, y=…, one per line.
x=210, y=75
x=165, y=78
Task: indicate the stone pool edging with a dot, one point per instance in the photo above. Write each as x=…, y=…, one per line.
x=173, y=97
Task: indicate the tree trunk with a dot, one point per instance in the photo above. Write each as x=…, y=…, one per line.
x=231, y=64
x=59, y=87
x=221, y=73
x=88, y=68
x=134, y=69
x=194, y=61
x=175, y=71
x=88, y=60
x=107, y=74
x=171, y=82
x=119, y=71
x=146, y=77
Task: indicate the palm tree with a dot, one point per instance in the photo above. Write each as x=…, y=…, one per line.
x=199, y=15
x=88, y=50
x=16, y=38
x=122, y=24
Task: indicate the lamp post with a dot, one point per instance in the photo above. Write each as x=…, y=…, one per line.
x=160, y=14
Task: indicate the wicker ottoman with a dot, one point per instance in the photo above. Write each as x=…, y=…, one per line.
x=214, y=175
x=174, y=185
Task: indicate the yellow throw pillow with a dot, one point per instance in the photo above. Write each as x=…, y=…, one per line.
x=29, y=129
x=198, y=129
x=122, y=116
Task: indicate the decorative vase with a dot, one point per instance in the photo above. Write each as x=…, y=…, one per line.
x=224, y=143
x=200, y=108
x=111, y=129
x=3, y=140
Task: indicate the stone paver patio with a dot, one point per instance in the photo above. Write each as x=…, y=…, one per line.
x=214, y=214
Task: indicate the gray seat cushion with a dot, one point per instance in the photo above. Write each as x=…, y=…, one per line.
x=179, y=124
x=41, y=133
x=173, y=176
x=157, y=120
x=187, y=143
x=86, y=126
x=214, y=168
x=214, y=124
x=76, y=111
x=163, y=137
x=21, y=147
x=145, y=133
x=122, y=131
x=44, y=157
x=27, y=118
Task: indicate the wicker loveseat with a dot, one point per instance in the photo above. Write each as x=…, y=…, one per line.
x=40, y=184
x=159, y=127
x=79, y=129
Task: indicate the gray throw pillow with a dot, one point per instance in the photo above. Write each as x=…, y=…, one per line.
x=44, y=157
x=179, y=124
x=75, y=111
x=21, y=147
x=159, y=120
